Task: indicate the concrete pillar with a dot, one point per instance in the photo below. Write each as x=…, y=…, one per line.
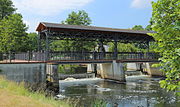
x=113, y=71
x=90, y=68
x=52, y=72
x=153, y=71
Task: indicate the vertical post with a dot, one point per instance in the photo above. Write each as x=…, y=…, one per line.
x=147, y=55
x=148, y=46
x=10, y=56
x=101, y=49
x=47, y=47
x=115, y=50
x=39, y=42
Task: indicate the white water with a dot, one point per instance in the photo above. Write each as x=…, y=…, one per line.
x=75, y=82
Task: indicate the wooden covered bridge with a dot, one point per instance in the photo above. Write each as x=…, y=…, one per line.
x=49, y=32
x=110, y=62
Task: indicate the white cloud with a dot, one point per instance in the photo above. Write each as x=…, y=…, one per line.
x=141, y=3
x=48, y=7
x=35, y=11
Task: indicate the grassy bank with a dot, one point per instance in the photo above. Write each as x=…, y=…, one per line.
x=13, y=94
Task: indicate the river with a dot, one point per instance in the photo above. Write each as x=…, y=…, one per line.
x=138, y=91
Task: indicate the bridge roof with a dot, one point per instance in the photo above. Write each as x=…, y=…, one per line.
x=122, y=33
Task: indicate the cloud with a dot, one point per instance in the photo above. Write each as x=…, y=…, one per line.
x=48, y=7
x=141, y=3
x=35, y=11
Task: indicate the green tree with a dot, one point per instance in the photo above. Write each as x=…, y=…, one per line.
x=166, y=22
x=149, y=27
x=122, y=47
x=6, y=8
x=137, y=27
x=78, y=18
x=75, y=18
x=32, y=42
x=13, y=36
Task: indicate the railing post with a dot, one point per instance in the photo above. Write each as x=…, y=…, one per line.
x=115, y=50
x=10, y=56
x=29, y=56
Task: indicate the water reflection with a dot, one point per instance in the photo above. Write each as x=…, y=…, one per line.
x=143, y=92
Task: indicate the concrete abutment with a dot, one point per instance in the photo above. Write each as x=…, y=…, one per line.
x=114, y=71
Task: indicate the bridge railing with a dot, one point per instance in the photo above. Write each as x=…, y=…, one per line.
x=22, y=57
x=137, y=55
x=41, y=56
x=80, y=55
x=101, y=55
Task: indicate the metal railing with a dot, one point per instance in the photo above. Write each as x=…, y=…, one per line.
x=52, y=56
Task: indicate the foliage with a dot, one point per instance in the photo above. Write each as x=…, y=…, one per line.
x=19, y=91
x=137, y=27
x=149, y=27
x=6, y=8
x=71, y=69
x=13, y=35
x=99, y=103
x=122, y=47
x=75, y=18
x=79, y=18
x=32, y=42
x=67, y=69
x=166, y=22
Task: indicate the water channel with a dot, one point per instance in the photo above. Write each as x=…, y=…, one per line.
x=138, y=91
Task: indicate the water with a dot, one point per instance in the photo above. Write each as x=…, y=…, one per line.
x=138, y=91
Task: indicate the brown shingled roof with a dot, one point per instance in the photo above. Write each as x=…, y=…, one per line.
x=45, y=25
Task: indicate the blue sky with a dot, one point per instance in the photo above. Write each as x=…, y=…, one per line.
x=103, y=13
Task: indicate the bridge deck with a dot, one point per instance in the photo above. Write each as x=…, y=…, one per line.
x=75, y=61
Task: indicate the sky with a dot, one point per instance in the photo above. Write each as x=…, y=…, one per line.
x=122, y=14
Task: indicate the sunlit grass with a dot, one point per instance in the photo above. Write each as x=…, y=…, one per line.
x=9, y=90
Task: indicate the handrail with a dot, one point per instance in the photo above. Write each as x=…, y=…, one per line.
x=62, y=55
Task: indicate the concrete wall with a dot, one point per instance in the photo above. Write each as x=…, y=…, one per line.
x=31, y=73
x=112, y=71
x=133, y=66
x=153, y=71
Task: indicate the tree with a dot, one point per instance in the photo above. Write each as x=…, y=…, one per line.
x=149, y=27
x=32, y=42
x=6, y=8
x=122, y=47
x=13, y=36
x=75, y=18
x=79, y=18
x=166, y=22
x=137, y=27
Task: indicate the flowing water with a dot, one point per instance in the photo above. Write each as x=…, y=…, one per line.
x=138, y=91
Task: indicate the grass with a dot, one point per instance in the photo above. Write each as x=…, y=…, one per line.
x=13, y=94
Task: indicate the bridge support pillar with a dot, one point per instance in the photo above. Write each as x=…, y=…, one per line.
x=52, y=73
x=90, y=68
x=114, y=71
x=153, y=71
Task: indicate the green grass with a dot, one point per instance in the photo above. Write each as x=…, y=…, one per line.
x=18, y=90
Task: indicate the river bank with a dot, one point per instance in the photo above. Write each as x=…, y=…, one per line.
x=13, y=94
